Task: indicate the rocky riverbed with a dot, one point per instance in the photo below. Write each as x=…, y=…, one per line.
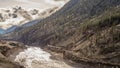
x=35, y=57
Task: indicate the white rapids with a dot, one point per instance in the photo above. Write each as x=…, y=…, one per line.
x=34, y=57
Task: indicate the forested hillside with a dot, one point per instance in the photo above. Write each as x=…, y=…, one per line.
x=81, y=30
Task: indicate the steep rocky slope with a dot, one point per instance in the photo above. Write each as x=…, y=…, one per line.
x=83, y=30
x=7, y=49
x=72, y=13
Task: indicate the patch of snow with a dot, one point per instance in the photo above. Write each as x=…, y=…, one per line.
x=11, y=22
x=44, y=7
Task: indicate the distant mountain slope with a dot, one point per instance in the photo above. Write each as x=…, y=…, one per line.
x=12, y=18
x=83, y=30
x=16, y=13
x=79, y=11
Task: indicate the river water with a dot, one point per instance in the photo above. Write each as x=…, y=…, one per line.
x=35, y=57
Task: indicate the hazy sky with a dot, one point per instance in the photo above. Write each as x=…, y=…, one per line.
x=30, y=3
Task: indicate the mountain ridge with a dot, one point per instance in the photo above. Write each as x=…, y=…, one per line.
x=88, y=31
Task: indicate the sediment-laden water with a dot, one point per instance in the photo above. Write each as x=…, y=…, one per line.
x=34, y=57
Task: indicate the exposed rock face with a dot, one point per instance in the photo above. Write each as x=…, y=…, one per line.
x=34, y=11
x=7, y=49
x=1, y=18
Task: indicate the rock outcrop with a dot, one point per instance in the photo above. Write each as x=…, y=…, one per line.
x=7, y=54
